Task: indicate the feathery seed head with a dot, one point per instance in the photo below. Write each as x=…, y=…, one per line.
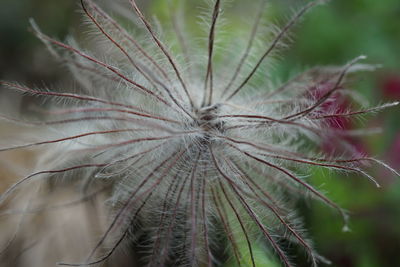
x=200, y=152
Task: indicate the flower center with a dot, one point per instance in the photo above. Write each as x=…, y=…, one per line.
x=208, y=118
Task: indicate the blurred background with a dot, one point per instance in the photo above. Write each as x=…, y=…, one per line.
x=329, y=35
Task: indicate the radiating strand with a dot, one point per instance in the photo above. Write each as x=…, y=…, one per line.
x=278, y=156
x=233, y=207
x=248, y=48
x=203, y=213
x=253, y=182
x=268, y=147
x=250, y=212
x=173, y=187
x=219, y=205
x=72, y=96
x=355, y=113
x=319, y=132
x=133, y=121
x=128, y=203
x=118, y=45
x=323, y=98
x=272, y=208
x=181, y=39
x=263, y=147
x=114, y=247
x=312, y=75
x=98, y=62
x=252, y=116
x=130, y=39
x=209, y=73
x=335, y=166
x=86, y=110
x=18, y=226
x=139, y=154
x=123, y=170
x=90, y=69
x=282, y=102
x=269, y=121
x=175, y=156
x=29, y=177
x=281, y=151
x=297, y=180
x=276, y=41
x=162, y=48
x=241, y=222
x=238, y=106
x=165, y=250
x=132, y=141
x=67, y=139
x=184, y=230
x=81, y=66
x=359, y=159
x=268, y=95
x=193, y=210
x=296, y=155
x=260, y=225
x=279, y=182
x=140, y=67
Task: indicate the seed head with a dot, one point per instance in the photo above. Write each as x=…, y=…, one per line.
x=203, y=156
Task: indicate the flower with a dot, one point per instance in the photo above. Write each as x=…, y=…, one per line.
x=198, y=149
x=391, y=87
x=341, y=126
x=393, y=154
